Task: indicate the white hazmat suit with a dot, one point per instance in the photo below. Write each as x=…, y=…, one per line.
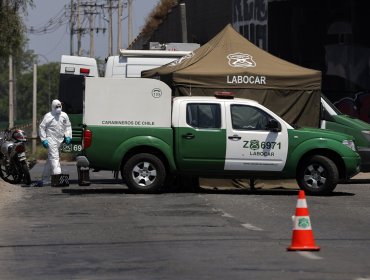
x=53, y=130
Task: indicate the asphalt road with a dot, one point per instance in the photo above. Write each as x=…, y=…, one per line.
x=104, y=232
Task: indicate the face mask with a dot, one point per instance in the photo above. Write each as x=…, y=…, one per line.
x=58, y=110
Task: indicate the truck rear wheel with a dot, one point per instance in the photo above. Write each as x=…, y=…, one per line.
x=318, y=175
x=144, y=173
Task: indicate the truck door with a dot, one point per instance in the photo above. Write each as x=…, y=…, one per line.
x=200, y=137
x=250, y=144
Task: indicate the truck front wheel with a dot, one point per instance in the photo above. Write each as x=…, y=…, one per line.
x=317, y=175
x=144, y=173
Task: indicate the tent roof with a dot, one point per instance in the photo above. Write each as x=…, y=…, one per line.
x=231, y=61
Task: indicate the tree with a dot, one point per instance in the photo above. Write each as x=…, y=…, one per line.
x=12, y=42
x=47, y=85
x=23, y=62
x=12, y=28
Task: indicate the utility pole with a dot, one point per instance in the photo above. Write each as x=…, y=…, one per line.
x=119, y=28
x=89, y=9
x=34, y=108
x=11, y=81
x=129, y=22
x=110, y=37
x=91, y=26
x=15, y=103
x=71, y=26
x=184, y=28
x=78, y=29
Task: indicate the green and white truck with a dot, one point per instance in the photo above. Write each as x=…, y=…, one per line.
x=130, y=63
x=135, y=126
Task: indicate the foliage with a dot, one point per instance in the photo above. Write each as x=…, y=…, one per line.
x=47, y=90
x=158, y=14
x=12, y=28
x=47, y=86
x=13, y=42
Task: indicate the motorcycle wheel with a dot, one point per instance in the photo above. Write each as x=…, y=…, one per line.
x=10, y=175
x=26, y=173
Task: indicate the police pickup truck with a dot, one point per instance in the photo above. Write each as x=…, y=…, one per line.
x=136, y=127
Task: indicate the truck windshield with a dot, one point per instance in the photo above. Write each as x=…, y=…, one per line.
x=331, y=105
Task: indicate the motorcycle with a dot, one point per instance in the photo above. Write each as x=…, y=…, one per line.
x=14, y=167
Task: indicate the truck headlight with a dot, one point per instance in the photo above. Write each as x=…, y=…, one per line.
x=350, y=144
x=366, y=134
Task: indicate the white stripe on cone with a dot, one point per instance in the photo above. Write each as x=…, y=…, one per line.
x=301, y=203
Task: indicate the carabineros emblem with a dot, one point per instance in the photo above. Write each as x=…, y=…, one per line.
x=303, y=222
x=254, y=145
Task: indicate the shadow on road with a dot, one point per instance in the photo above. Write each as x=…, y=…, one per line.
x=272, y=192
x=357, y=181
x=111, y=186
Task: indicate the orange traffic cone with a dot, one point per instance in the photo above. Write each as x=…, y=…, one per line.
x=302, y=239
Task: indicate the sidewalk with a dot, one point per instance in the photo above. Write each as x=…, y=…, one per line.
x=362, y=176
x=9, y=193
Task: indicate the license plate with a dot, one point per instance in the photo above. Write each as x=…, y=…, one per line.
x=71, y=148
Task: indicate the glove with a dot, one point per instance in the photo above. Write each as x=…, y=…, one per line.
x=68, y=140
x=45, y=143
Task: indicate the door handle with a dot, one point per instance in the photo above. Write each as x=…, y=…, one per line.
x=234, y=137
x=188, y=136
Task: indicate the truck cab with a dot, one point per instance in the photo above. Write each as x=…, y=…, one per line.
x=333, y=119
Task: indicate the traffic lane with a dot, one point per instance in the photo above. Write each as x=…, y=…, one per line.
x=340, y=222
x=54, y=234
x=234, y=224
x=163, y=236
x=96, y=237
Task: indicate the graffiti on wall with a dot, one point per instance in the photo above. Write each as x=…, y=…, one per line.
x=250, y=19
x=357, y=107
x=349, y=68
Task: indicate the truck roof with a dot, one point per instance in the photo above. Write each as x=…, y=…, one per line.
x=150, y=53
x=212, y=98
x=78, y=60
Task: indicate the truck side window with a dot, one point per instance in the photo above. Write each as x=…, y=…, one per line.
x=245, y=117
x=202, y=115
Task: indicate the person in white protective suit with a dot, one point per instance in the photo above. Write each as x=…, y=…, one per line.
x=53, y=130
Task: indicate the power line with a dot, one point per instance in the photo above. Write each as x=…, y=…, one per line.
x=93, y=16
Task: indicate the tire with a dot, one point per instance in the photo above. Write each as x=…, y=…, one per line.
x=10, y=175
x=144, y=173
x=26, y=173
x=318, y=175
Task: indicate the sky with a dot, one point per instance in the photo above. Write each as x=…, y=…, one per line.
x=51, y=45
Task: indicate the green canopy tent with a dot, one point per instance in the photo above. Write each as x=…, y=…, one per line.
x=229, y=62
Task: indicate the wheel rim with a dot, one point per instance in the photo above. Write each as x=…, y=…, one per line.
x=315, y=176
x=8, y=176
x=144, y=174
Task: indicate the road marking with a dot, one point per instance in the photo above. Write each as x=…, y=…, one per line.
x=251, y=227
x=309, y=255
x=362, y=278
x=223, y=213
x=227, y=215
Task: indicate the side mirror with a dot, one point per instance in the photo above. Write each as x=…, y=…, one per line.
x=273, y=125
